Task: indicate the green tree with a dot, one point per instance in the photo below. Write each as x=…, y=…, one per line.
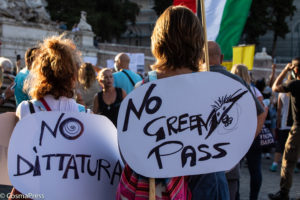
x=161, y=5
x=108, y=18
x=281, y=10
x=268, y=15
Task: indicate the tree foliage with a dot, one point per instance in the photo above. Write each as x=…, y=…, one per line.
x=108, y=18
x=161, y=5
x=268, y=15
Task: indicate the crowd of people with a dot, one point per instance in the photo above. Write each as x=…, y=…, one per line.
x=55, y=79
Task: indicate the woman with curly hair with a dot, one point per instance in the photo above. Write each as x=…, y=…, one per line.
x=53, y=77
x=52, y=80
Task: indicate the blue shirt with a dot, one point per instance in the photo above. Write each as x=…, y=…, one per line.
x=122, y=81
x=19, y=80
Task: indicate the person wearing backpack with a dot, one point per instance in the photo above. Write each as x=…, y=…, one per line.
x=124, y=78
x=51, y=81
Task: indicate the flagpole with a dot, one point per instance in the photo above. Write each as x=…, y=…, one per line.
x=151, y=188
x=205, y=34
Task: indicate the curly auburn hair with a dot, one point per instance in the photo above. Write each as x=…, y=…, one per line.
x=54, y=69
x=87, y=75
x=177, y=40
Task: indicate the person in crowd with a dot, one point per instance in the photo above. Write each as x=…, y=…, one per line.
x=282, y=130
x=269, y=101
x=18, y=64
x=75, y=28
x=20, y=94
x=7, y=93
x=9, y=104
x=177, y=45
x=88, y=85
x=108, y=101
x=123, y=77
x=52, y=80
x=254, y=154
x=282, y=127
x=215, y=61
x=292, y=146
x=62, y=25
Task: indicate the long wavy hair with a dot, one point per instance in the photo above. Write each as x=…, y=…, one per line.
x=54, y=69
x=177, y=39
x=242, y=71
x=87, y=75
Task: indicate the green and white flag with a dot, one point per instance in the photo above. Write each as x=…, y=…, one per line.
x=225, y=21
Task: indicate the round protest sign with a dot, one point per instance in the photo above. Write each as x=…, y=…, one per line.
x=55, y=155
x=186, y=125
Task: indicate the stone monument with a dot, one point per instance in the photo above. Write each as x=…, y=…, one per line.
x=24, y=23
x=85, y=35
x=83, y=25
x=262, y=66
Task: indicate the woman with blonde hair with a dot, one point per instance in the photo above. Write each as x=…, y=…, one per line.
x=177, y=44
x=52, y=80
x=242, y=71
x=254, y=154
x=88, y=85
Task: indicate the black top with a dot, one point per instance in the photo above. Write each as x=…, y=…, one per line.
x=110, y=111
x=294, y=88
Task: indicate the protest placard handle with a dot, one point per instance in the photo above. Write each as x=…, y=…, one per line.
x=151, y=188
x=205, y=35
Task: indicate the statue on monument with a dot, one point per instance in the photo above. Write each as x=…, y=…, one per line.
x=25, y=10
x=83, y=25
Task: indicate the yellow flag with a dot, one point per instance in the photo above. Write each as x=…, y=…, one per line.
x=244, y=55
x=227, y=64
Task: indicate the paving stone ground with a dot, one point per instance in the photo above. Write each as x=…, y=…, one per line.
x=270, y=182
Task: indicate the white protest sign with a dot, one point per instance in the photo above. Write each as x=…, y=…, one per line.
x=186, y=125
x=65, y=156
x=137, y=62
x=89, y=59
x=110, y=63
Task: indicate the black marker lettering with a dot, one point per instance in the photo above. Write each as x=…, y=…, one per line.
x=74, y=167
x=82, y=156
x=222, y=151
x=30, y=165
x=138, y=114
x=158, y=103
x=160, y=134
x=53, y=132
x=48, y=156
x=61, y=160
x=105, y=165
x=182, y=121
x=37, y=167
x=92, y=173
x=117, y=171
x=185, y=156
x=199, y=123
x=208, y=155
x=170, y=122
x=158, y=156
